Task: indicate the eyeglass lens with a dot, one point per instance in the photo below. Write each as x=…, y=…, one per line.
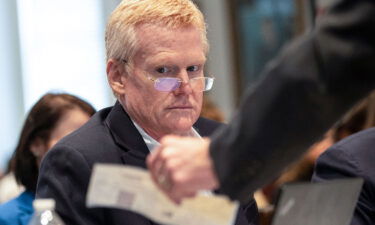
x=170, y=83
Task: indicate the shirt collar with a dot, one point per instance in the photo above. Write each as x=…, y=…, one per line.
x=151, y=142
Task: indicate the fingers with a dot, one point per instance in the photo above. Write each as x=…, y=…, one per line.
x=171, y=140
x=181, y=166
x=164, y=182
x=177, y=197
x=162, y=166
x=157, y=164
x=155, y=161
x=152, y=158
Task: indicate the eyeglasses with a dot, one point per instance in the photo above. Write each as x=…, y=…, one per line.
x=167, y=84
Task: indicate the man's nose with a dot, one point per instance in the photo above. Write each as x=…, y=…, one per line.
x=185, y=87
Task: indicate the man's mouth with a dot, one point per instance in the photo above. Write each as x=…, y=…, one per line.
x=180, y=107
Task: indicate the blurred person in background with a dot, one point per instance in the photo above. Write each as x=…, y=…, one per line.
x=211, y=111
x=50, y=119
x=360, y=117
x=354, y=156
x=156, y=54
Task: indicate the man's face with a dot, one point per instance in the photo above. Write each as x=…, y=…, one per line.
x=164, y=52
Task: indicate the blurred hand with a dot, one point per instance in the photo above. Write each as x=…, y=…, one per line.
x=182, y=166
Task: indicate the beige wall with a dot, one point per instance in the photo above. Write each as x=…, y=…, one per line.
x=220, y=61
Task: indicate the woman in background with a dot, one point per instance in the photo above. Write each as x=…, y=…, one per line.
x=50, y=119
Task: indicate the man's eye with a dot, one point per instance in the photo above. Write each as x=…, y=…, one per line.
x=193, y=68
x=162, y=70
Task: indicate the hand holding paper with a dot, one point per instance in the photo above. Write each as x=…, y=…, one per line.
x=132, y=189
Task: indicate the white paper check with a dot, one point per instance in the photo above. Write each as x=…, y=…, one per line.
x=131, y=188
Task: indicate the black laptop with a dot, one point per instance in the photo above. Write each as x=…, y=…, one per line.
x=326, y=203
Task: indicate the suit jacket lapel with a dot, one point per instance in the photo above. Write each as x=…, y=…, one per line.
x=133, y=149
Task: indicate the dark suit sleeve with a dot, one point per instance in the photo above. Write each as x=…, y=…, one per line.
x=302, y=93
x=336, y=163
x=64, y=176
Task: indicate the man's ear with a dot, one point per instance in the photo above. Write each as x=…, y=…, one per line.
x=116, y=76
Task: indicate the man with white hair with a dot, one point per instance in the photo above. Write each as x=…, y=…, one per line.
x=156, y=52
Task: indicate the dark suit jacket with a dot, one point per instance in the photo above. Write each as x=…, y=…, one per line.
x=109, y=137
x=303, y=92
x=353, y=157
